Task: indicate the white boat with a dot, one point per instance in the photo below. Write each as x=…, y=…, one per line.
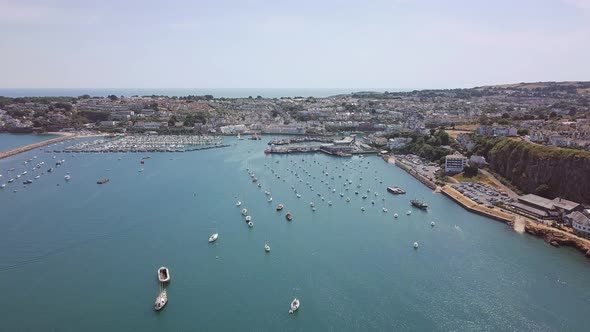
x=362, y=208
x=248, y=218
x=294, y=305
x=408, y=213
x=38, y=176
x=67, y=177
x=298, y=196
x=244, y=212
x=161, y=300
x=3, y=185
x=269, y=200
x=384, y=210
x=395, y=215
x=432, y=223
x=415, y=245
x=267, y=192
x=163, y=274
x=280, y=207
x=213, y=237
x=266, y=247
x=11, y=180
x=250, y=224
x=238, y=203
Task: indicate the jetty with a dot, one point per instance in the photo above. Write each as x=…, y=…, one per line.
x=15, y=151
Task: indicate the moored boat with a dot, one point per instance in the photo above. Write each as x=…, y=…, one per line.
x=102, y=181
x=266, y=247
x=213, y=237
x=396, y=190
x=294, y=305
x=161, y=300
x=419, y=204
x=289, y=216
x=163, y=274
x=279, y=207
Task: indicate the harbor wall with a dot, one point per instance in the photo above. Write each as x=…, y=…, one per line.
x=415, y=174
x=15, y=151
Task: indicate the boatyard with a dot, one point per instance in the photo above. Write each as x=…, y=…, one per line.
x=147, y=143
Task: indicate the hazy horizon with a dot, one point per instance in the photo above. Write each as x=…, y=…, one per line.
x=229, y=44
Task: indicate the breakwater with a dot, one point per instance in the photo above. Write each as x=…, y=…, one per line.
x=33, y=146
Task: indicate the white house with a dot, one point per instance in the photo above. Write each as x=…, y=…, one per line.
x=454, y=163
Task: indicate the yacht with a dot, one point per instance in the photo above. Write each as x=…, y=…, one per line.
x=294, y=305
x=244, y=212
x=432, y=223
x=362, y=208
x=415, y=245
x=213, y=237
x=419, y=204
x=11, y=180
x=408, y=213
x=163, y=274
x=238, y=203
x=250, y=224
x=395, y=215
x=3, y=185
x=266, y=247
x=67, y=177
x=161, y=300
x=298, y=196
x=279, y=207
x=269, y=199
x=248, y=218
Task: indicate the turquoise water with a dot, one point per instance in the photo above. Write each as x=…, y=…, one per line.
x=10, y=141
x=82, y=256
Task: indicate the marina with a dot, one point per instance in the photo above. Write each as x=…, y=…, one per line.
x=333, y=257
x=147, y=143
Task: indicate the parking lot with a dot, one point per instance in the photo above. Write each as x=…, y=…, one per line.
x=422, y=166
x=483, y=194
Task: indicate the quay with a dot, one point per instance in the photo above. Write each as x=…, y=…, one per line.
x=305, y=139
x=15, y=151
x=413, y=173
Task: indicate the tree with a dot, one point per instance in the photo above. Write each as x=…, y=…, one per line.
x=113, y=97
x=505, y=116
x=258, y=97
x=542, y=190
x=172, y=120
x=522, y=131
x=470, y=170
x=552, y=115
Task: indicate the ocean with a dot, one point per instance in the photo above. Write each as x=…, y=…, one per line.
x=218, y=93
x=77, y=256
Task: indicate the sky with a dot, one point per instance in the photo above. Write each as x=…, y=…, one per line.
x=404, y=44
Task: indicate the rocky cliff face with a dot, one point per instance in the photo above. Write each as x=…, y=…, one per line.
x=564, y=172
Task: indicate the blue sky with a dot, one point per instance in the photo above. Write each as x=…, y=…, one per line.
x=291, y=44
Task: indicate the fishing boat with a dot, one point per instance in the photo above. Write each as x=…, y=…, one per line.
x=294, y=305
x=289, y=216
x=419, y=204
x=279, y=207
x=396, y=190
x=163, y=274
x=102, y=181
x=161, y=300
x=266, y=247
x=213, y=237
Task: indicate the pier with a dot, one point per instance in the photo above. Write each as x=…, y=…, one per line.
x=15, y=151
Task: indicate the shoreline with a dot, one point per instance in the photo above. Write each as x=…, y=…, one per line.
x=29, y=147
x=553, y=236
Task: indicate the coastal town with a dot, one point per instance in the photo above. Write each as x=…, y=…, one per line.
x=458, y=142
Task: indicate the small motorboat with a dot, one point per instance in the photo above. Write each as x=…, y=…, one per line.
x=288, y=216
x=67, y=177
x=163, y=274
x=11, y=181
x=395, y=215
x=415, y=245
x=3, y=185
x=298, y=196
x=269, y=200
x=432, y=223
x=266, y=247
x=294, y=305
x=248, y=218
x=102, y=181
x=250, y=224
x=161, y=300
x=244, y=212
x=38, y=176
x=362, y=208
x=279, y=207
x=408, y=213
x=384, y=209
x=29, y=181
x=238, y=203
x=213, y=237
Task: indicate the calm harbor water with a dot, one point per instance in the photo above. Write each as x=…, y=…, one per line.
x=11, y=141
x=80, y=256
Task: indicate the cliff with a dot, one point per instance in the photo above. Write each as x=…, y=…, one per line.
x=543, y=170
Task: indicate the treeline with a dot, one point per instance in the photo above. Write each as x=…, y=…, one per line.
x=430, y=146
